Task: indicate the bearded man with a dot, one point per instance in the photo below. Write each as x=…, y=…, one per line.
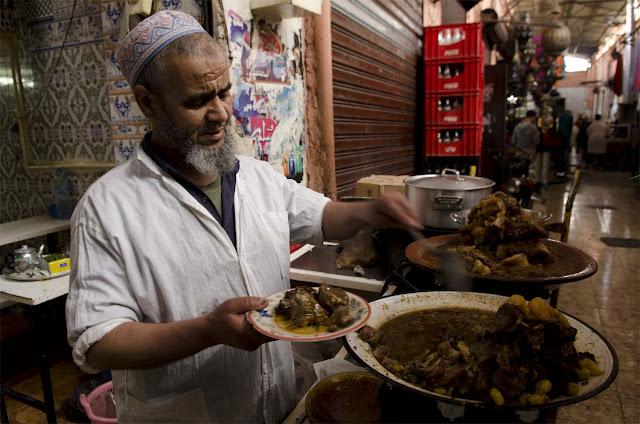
x=173, y=247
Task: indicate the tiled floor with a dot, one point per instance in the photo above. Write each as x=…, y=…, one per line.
x=609, y=301
x=65, y=377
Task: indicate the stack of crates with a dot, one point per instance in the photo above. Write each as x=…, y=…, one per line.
x=454, y=83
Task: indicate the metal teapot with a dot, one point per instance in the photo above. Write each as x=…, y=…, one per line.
x=26, y=257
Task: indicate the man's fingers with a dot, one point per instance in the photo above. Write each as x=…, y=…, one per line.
x=399, y=211
x=240, y=305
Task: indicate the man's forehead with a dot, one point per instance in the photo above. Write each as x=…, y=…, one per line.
x=197, y=73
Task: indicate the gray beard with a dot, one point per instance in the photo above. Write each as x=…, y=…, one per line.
x=204, y=160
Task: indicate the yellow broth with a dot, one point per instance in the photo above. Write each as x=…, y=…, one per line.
x=412, y=334
x=286, y=324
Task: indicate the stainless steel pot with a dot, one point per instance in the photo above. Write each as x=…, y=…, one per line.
x=436, y=196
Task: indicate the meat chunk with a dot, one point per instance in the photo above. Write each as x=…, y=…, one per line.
x=371, y=335
x=301, y=308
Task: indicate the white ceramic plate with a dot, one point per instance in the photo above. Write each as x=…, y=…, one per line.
x=382, y=310
x=18, y=277
x=264, y=320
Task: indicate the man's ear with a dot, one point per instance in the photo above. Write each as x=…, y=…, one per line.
x=147, y=101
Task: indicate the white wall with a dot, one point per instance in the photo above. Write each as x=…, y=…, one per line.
x=576, y=99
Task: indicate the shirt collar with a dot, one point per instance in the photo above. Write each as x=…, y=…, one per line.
x=153, y=161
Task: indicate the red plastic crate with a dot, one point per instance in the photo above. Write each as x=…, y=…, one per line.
x=469, y=144
x=470, y=76
x=469, y=110
x=459, y=41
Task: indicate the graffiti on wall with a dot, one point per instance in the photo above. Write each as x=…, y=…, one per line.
x=268, y=103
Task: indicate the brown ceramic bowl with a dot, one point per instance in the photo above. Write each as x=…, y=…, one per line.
x=572, y=264
x=348, y=397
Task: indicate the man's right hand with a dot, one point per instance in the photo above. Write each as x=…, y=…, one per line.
x=136, y=345
x=229, y=325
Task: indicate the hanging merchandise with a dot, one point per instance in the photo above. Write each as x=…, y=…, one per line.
x=556, y=37
x=617, y=77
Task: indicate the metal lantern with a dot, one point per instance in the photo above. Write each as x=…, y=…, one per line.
x=556, y=37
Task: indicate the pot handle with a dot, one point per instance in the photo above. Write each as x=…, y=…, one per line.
x=454, y=171
x=447, y=203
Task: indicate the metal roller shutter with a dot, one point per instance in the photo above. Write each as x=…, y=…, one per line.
x=377, y=48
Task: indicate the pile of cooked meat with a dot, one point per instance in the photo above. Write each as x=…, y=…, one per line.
x=306, y=307
x=522, y=354
x=503, y=240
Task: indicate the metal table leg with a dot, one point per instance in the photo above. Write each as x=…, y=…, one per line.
x=47, y=406
x=45, y=377
x=4, y=418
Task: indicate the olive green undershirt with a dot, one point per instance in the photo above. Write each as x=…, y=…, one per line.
x=214, y=192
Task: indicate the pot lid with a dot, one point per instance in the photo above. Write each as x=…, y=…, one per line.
x=25, y=249
x=446, y=181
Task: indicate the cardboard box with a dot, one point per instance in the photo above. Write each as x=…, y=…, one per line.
x=61, y=265
x=377, y=185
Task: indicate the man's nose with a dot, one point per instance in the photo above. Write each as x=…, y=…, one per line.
x=217, y=111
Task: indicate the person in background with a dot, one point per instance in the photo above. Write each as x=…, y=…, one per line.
x=526, y=135
x=597, y=142
x=526, y=138
x=582, y=137
x=172, y=248
x=575, y=130
x=565, y=128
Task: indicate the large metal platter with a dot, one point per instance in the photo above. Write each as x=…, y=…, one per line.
x=587, y=340
x=572, y=264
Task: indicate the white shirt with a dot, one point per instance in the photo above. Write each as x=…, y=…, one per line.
x=144, y=250
x=597, y=142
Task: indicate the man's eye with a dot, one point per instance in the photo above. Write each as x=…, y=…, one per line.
x=224, y=94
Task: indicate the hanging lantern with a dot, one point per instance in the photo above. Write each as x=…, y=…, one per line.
x=556, y=37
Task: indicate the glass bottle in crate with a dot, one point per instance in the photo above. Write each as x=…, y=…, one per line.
x=446, y=72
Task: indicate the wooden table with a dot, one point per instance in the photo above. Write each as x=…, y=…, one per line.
x=24, y=229
x=33, y=294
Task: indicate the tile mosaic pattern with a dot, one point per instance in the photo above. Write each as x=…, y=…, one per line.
x=68, y=119
x=7, y=16
x=87, y=113
x=72, y=121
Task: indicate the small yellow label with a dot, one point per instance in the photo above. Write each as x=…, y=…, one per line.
x=61, y=265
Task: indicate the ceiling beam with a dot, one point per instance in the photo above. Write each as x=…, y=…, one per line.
x=571, y=3
x=581, y=36
x=605, y=30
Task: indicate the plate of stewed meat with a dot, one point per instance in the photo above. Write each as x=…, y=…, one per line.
x=311, y=314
